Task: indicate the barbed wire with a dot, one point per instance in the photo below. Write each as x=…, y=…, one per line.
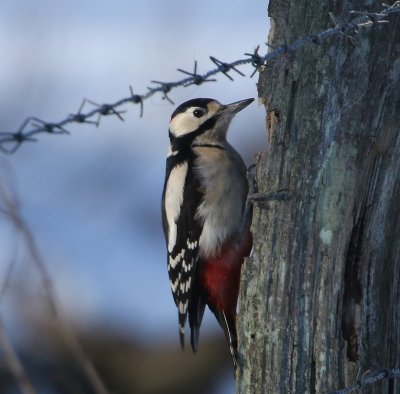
x=370, y=377
x=32, y=126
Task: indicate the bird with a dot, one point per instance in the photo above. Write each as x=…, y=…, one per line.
x=206, y=220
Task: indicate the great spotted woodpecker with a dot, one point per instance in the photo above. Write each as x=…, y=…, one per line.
x=206, y=225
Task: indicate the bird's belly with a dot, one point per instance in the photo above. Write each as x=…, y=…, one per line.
x=221, y=215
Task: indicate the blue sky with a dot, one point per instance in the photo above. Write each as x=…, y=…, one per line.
x=92, y=198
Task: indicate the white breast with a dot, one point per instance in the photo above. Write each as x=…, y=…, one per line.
x=223, y=178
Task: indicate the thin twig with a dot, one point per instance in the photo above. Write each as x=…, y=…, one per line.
x=10, y=208
x=13, y=362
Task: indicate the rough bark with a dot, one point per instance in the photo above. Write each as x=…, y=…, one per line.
x=320, y=295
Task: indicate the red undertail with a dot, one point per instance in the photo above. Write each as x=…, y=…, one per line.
x=220, y=279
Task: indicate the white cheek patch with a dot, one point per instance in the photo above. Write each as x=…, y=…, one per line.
x=174, y=199
x=183, y=123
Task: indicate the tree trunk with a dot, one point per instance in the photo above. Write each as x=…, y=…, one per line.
x=320, y=295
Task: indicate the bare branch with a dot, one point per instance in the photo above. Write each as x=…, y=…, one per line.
x=13, y=362
x=9, y=206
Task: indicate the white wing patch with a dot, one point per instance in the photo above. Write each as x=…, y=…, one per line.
x=191, y=245
x=188, y=285
x=174, y=285
x=182, y=253
x=174, y=199
x=187, y=267
x=182, y=307
x=174, y=261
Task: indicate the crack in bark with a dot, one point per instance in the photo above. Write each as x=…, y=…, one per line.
x=313, y=376
x=352, y=295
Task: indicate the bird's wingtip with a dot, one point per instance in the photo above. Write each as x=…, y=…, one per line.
x=182, y=337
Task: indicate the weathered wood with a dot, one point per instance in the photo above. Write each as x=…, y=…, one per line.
x=320, y=296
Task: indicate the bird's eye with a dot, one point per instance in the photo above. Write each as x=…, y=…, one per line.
x=198, y=113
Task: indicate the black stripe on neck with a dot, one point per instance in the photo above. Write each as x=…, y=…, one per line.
x=208, y=146
x=185, y=141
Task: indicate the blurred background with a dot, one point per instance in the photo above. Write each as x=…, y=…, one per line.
x=91, y=199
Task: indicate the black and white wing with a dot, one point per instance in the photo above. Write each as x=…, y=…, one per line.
x=181, y=197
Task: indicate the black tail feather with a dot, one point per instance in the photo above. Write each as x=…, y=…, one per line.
x=196, y=312
x=228, y=324
x=182, y=322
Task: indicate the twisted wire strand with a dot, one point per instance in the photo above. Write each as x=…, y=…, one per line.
x=32, y=126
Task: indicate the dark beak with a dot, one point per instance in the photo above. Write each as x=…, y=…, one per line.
x=234, y=108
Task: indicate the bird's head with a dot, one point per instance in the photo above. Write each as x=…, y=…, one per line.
x=203, y=120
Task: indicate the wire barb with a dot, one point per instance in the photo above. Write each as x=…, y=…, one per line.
x=164, y=88
x=136, y=99
x=51, y=128
x=105, y=110
x=79, y=117
x=11, y=141
x=256, y=60
x=370, y=377
x=225, y=67
x=196, y=79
